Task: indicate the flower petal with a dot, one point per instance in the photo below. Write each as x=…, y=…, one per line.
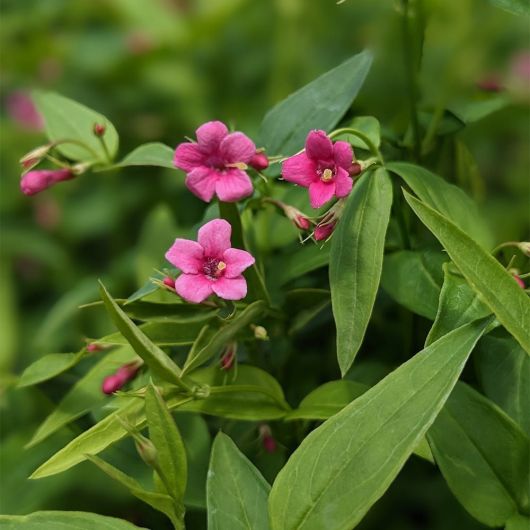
x=230, y=288
x=188, y=156
x=343, y=183
x=210, y=135
x=343, y=154
x=233, y=185
x=236, y=262
x=318, y=146
x=300, y=170
x=320, y=193
x=193, y=288
x=214, y=237
x=201, y=182
x=237, y=147
x=186, y=255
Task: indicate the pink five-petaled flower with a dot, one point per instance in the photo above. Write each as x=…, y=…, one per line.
x=322, y=167
x=210, y=265
x=215, y=164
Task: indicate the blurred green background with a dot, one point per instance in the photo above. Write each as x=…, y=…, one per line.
x=158, y=69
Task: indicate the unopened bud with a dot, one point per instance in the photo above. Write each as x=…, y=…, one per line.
x=169, y=282
x=36, y=181
x=127, y=372
x=259, y=161
x=35, y=156
x=228, y=357
x=94, y=347
x=146, y=450
x=297, y=217
x=517, y=278
x=267, y=439
x=99, y=129
x=260, y=333
x=524, y=247
x=111, y=384
x=490, y=84
x=355, y=169
x=322, y=232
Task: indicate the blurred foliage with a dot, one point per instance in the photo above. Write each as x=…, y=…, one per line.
x=157, y=69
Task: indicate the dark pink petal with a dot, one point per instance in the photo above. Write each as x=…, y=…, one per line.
x=193, y=288
x=320, y=193
x=186, y=255
x=233, y=185
x=343, y=154
x=300, y=170
x=343, y=183
x=318, y=146
x=201, y=182
x=230, y=288
x=236, y=262
x=214, y=237
x=188, y=156
x=237, y=147
x=210, y=135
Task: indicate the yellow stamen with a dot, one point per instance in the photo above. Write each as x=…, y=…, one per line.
x=238, y=165
x=327, y=175
x=221, y=266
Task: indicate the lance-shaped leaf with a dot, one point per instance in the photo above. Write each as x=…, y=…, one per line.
x=485, y=275
x=356, y=260
x=157, y=361
x=318, y=105
x=65, y=119
x=168, y=312
x=299, y=262
x=448, y=199
x=483, y=455
x=171, y=453
x=70, y=520
x=235, y=490
x=150, y=154
x=48, y=367
x=346, y=464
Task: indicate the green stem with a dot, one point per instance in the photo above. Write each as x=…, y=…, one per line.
x=105, y=149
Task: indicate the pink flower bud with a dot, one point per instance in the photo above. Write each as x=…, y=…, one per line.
x=94, y=347
x=39, y=180
x=259, y=161
x=355, y=169
x=322, y=232
x=519, y=281
x=227, y=360
x=99, y=129
x=169, y=282
x=267, y=439
x=302, y=222
x=127, y=372
x=21, y=110
x=295, y=215
x=35, y=156
x=491, y=83
x=111, y=384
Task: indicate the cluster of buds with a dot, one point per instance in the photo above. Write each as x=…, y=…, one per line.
x=127, y=372
x=268, y=441
x=329, y=221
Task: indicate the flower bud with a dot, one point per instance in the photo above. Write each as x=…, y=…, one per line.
x=35, y=156
x=99, y=129
x=524, y=247
x=115, y=382
x=94, y=347
x=111, y=384
x=514, y=273
x=267, y=439
x=260, y=333
x=492, y=83
x=228, y=357
x=355, y=169
x=169, y=282
x=323, y=231
x=259, y=161
x=146, y=449
x=296, y=216
x=39, y=180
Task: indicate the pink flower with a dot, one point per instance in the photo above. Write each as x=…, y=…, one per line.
x=215, y=164
x=21, y=110
x=322, y=167
x=210, y=265
x=36, y=181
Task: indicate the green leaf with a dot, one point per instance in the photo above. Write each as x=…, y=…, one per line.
x=168, y=312
x=356, y=261
x=484, y=274
x=66, y=119
x=49, y=366
x=171, y=453
x=414, y=279
x=212, y=344
x=151, y=154
x=66, y=520
x=483, y=456
x=473, y=111
x=296, y=264
x=369, y=126
x=447, y=199
x=304, y=305
x=504, y=371
x=318, y=105
x=236, y=491
x=518, y=522
x=346, y=464
x=159, y=501
x=157, y=361
x=459, y=304
x=85, y=395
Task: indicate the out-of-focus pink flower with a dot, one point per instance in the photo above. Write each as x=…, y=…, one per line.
x=323, y=168
x=491, y=83
x=259, y=161
x=216, y=164
x=267, y=439
x=139, y=43
x=36, y=181
x=323, y=231
x=21, y=109
x=520, y=66
x=210, y=265
x=47, y=212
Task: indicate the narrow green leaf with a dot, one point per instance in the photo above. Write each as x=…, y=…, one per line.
x=304, y=305
x=504, y=371
x=168, y=312
x=459, y=304
x=67, y=520
x=414, y=279
x=318, y=105
x=483, y=456
x=236, y=491
x=66, y=119
x=151, y=154
x=171, y=453
x=485, y=275
x=220, y=338
x=346, y=464
x=448, y=199
x=295, y=264
x=48, y=367
x=157, y=361
x=356, y=261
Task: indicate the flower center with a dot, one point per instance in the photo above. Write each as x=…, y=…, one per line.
x=327, y=174
x=213, y=268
